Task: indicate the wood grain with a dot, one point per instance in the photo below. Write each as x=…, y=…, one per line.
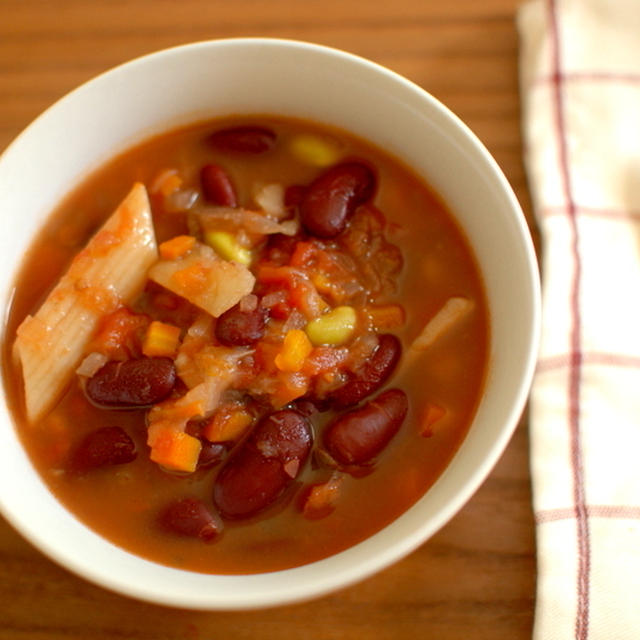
x=475, y=579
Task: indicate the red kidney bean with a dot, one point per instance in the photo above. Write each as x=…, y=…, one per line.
x=103, y=447
x=211, y=454
x=293, y=195
x=333, y=197
x=373, y=375
x=132, y=383
x=358, y=436
x=307, y=406
x=235, y=328
x=247, y=139
x=191, y=517
x=265, y=465
x=279, y=248
x=217, y=186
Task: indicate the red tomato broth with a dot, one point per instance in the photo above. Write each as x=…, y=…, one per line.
x=121, y=503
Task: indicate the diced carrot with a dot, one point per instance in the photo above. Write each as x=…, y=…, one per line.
x=119, y=334
x=431, y=414
x=321, y=498
x=166, y=182
x=305, y=297
x=384, y=317
x=175, y=450
x=289, y=386
x=303, y=293
x=193, y=279
x=323, y=360
x=227, y=424
x=176, y=247
x=161, y=339
x=295, y=349
x=302, y=254
x=171, y=184
x=323, y=283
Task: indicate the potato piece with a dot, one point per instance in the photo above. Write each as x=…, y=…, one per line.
x=108, y=272
x=204, y=279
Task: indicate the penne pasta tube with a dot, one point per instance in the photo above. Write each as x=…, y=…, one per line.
x=110, y=270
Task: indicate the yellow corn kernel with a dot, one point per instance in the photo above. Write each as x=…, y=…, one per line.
x=227, y=247
x=333, y=328
x=176, y=247
x=295, y=350
x=314, y=150
x=161, y=339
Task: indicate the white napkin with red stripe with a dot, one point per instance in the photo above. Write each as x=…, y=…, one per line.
x=580, y=84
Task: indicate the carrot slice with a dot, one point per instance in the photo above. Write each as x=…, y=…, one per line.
x=161, y=339
x=295, y=349
x=321, y=498
x=175, y=450
x=227, y=425
x=176, y=247
x=431, y=414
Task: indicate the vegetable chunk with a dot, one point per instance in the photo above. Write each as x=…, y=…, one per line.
x=204, y=279
x=109, y=271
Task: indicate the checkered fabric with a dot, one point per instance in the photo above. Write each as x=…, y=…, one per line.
x=580, y=84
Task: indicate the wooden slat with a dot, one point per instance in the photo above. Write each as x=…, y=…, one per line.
x=475, y=578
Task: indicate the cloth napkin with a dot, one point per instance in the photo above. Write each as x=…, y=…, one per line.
x=580, y=87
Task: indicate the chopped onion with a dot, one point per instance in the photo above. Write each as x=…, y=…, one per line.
x=295, y=321
x=250, y=221
x=453, y=310
x=270, y=198
x=272, y=299
x=248, y=303
x=181, y=200
x=156, y=185
x=201, y=326
x=92, y=364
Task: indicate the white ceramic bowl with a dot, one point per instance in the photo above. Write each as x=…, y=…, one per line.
x=186, y=84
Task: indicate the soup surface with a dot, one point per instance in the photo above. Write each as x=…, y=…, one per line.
x=288, y=371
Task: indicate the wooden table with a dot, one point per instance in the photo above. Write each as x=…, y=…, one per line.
x=476, y=577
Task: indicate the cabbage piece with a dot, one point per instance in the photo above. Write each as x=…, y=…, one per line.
x=204, y=279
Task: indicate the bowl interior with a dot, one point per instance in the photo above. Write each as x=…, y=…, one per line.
x=198, y=82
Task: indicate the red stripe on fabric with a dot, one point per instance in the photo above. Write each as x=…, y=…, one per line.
x=589, y=358
x=621, y=512
x=595, y=212
x=582, y=521
x=632, y=79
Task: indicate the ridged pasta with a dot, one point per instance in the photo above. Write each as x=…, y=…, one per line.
x=109, y=271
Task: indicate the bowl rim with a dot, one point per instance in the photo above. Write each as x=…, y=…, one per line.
x=366, y=567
